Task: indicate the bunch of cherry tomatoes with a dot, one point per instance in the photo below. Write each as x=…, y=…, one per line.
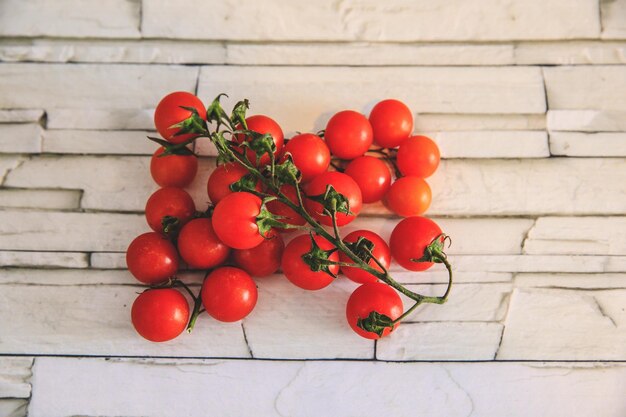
x=240, y=236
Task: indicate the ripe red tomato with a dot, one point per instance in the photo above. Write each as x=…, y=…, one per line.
x=262, y=260
x=372, y=176
x=263, y=124
x=381, y=252
x=373, y=296
x=199, y=246
x=310, y=155
x=418, y=156
x=343, y=184
x=348, y=134
x=392, y=122
x=169, y=113
x=409, y=240
x=281, y=209
x=229, y=294
x=160, y=314
x=169, y=201
x=298, y=272
x=151, y=258
x=409, y=196
x=234, y=220
x=222, y=177
x=173, y=170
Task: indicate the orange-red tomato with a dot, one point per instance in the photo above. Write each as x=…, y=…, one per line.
x=418, y=156
x=169, y=112
x=392, y=122
x=159, y=315
x=373, y=296
x=173, y=170
x=409, y=196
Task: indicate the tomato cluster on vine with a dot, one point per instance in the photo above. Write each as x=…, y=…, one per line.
x=265, y=186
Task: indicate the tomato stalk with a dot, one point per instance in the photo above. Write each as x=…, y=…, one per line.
x=197, y=304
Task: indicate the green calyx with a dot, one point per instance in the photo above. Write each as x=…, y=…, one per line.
x=434, y=251
x=376, y=323
x=286, y=172
x=266, y=220
x=173, y=149
x=170, y=225
x=194, y=124
x=332, y=201
x=318, y=259
x=362, y=248
x=246, y=183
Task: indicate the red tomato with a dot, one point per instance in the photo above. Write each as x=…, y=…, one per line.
x=310, y=154
x=381, y=252
x=229, y=294
x=263, y=124
x=348, y=134
x=392, y=122
x=169, y=113
x=409, y=240
x=173, y=170
x=222, y=177
x=234, y=220
x=372, y=176
x=169, y=201
x=262, y=260
x=298, y=272
x=373, y=296
x=151, y=258
x=418, y=156
x=343, y=184
x=409, y=196
x=281, y=209
x=199, y=246
x=160, y=314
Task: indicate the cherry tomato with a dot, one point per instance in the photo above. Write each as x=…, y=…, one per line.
x=310, y=154
x=418, y=156
x=298, y=272
x=281, y=209
x=173, y=170
x=381, y=252
x=160, y=315
x=263, y=124
x=392, y=122
x=373, y=296
x=409, y=240
x=234, y=220
x=344, y=185
x=262, y=260
x=199, y=246
x=372, y=176
x=169, y=113
x=348, y=134
x=229, y=294
x=169, y=201
x=409, y=196
x=151, y=258
x=222, y=177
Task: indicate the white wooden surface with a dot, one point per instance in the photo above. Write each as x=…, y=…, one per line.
x=527, y=100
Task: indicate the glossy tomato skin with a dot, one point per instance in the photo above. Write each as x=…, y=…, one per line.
x=381, y=252
x=348, y=134
x=229, y=294
x=234, y=220
x=262, y=260
x=159, y=315
x=263, y=124
x=281, y=209
x=298, y=272
x=409, y=240
x=169, y=112
x=409, y=196
x=392, y=122
x=310, y=155
x=418, y=156
x=222, y=177
x=373, y=296
x=199, y=246
x=151, y=258
x=169, y=201
x=343, y=184
x=173, y=170
x=372, y=175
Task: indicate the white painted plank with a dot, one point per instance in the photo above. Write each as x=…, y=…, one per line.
x=127, y=386
x=108, y=260
x=40, y=199
x=573, y=281
x=98, y=323
x=565, y=325
x=613, y=19
x=588, y=144
x=15, y=373
x=428, y=122
x=20, y=116
x=20, y=138
x=102, y=119
x=70, y=18
x=69, y=277
x=369, y=20
x=587, y=120
x=99, y=142
x=491, y=144
x=570, y=53
x=44, y=259
x=540, y=263
x=13, y=407
x=7, y=163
